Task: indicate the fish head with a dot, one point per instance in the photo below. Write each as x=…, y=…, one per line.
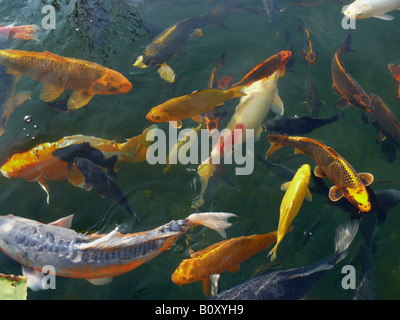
x=156, y=115
x=363, y=102
x=22, y=165
x=286, y=55
x=111, y=83
x=359, y=10
x=358, y=197
x=189, y=271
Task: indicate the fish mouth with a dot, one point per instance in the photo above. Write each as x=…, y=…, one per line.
x=4, y=173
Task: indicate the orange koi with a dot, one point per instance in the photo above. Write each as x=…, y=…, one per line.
x=59, y=73
x=20, y=32
x=192, y=105
x=344, y=84
x=96, y=257
x=346, y=181
x=266, y=68
x=40, y=164
x=395, y=70
x=219, y=257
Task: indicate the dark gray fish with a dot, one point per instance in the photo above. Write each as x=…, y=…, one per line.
x=294, y=126
x=290, y=63
x=310, y=232
x=97, y=178
x=312, y=102
x=85, y=150
x=293, y=284
x=277, y=170
x=384, y=121
x=366, y=287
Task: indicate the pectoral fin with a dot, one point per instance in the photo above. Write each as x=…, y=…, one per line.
x=11, y=71
x=319, y=172
x=335, y=194
x=285, y=186
x=42, y=182
x=387, y=17
x=366, y=178
x=176, y=124
x=308, y=196
x=79, y=99
x=166, y=73
x=342, y=104
x=277, y=105
x=100, y=282
x=49, y=93
x=33, y=278
x=207, y=287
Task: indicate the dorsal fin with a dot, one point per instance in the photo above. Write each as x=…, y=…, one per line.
x=64, y=222
x=53, y=55
x=332, y=151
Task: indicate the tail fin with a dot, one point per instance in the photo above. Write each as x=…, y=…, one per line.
x=217, y=221
x=344, y=236
x=135, y=148
x=277, y=142
x=238, y=91
x=346, y=45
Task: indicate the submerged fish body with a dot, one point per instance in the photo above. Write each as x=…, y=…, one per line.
x=343, y=83
x=346, y=181
x=298, y=125
x=9, y=99
x=27, y=32
x=219, y=257
x=39, y=164
x=308, y=53
x=395, y=70
x=386, y=121
x=192, y=105
x=106, y=186
x=60, y=73
x=363, y=9
x=265, y=69
x=293, y=284
x=96, y=256
x=313, y=103
x=296, y=191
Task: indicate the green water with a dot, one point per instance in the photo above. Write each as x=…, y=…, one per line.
x=248, y=40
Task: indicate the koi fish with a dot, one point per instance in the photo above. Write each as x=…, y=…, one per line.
x=308, y=53
x=395, y=70
x=296, y=191
x=385, y=120
x=261, y=97
x=97, y=178
x=363, y=9
x=96, y=256
x=60, y=73
x=219, y=257
x=192, y=105
x=271, y=8
x=344, y=84
x=39, y=164
x=298, y=125
x=167, y=44
x=267, y=68
x=86, y=151
x=9, y=99
x=293, y=284
x=20, y=32
x=346, y=181
x=312, y=102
